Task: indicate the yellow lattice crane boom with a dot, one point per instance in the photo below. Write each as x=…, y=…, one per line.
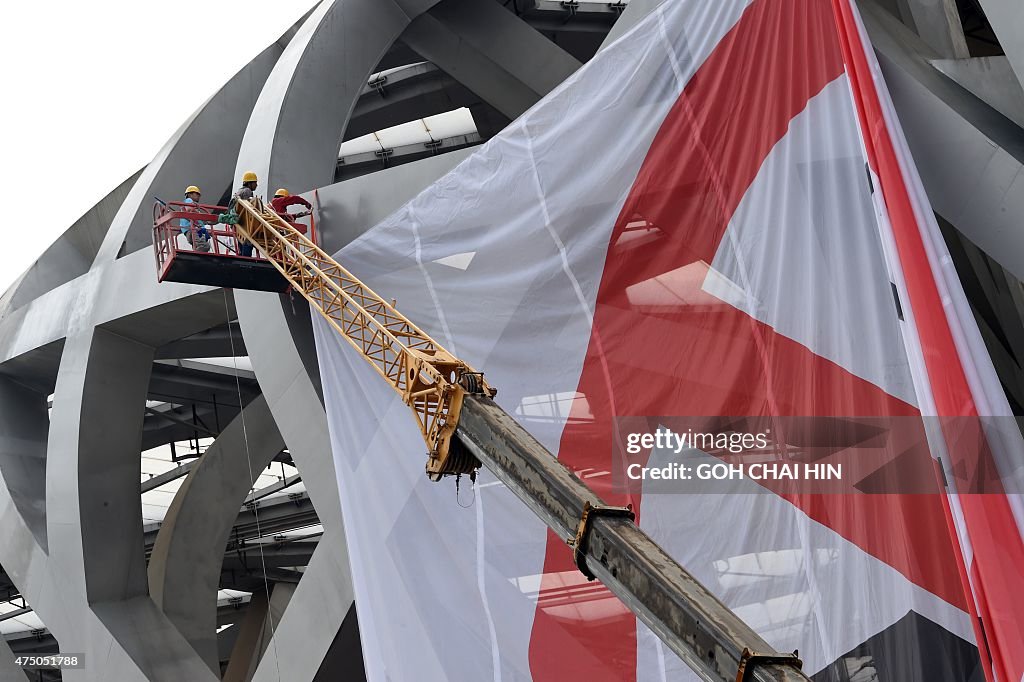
x=431, y=381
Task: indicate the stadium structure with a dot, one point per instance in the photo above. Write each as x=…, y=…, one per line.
x=755, y=209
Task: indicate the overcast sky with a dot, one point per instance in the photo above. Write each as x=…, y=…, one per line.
x=91, y=91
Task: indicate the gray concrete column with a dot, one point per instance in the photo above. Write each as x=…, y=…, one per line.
x=185, y=564
x=115, y=374
x=292, y=399
x=313, y=608
x=326, y=585
x=245, y=654
x=257, y=643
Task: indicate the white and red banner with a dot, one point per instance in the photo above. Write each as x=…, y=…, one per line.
x=710, y=218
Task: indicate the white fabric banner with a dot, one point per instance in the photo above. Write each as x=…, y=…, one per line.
x=684, y=227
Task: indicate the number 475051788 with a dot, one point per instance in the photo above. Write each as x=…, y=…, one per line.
x=50, y=661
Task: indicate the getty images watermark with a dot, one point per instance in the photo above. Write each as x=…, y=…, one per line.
x=732, y=443
x=817, y=455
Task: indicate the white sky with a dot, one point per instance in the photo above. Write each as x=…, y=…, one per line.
x=93, y=90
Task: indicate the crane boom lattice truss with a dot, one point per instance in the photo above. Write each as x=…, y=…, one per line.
x=430, y=380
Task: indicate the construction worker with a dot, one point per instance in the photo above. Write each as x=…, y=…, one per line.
x=280, y=203
x=201, y=239
x=247, y=191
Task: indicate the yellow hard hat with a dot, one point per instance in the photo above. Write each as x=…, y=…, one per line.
x=192, y=188
x=281, y=192
x=249, y=177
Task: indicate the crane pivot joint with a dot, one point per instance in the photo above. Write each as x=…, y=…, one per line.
x=582, y=539
x=750, y=660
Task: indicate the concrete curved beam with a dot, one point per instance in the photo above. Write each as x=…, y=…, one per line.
x=411, y=92
x=501, y=58
x=297, y=125
x=7, y=298
x=133, y=289
x=199, y=153
x=74, y=251
x=348, y=209
x=185, y=565
x=296, y=407
x=311, y=609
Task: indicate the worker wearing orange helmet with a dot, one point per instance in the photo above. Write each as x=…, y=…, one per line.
x=280, y=203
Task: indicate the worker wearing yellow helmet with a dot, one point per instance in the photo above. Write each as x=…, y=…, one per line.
x=247, y=191
x=248, y=188
x=280, y=203
x=195, y=231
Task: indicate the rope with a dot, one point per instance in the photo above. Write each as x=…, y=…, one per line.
x=252, y=487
